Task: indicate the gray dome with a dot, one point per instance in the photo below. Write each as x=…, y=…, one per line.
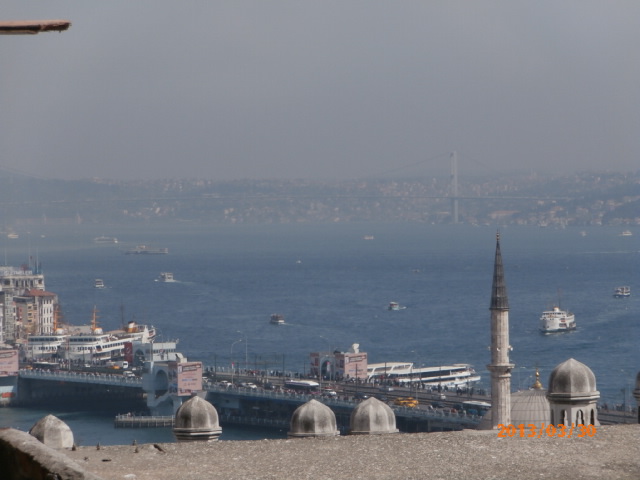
x=572, y=377
x=530, y=406
x=196, y=419
x=313, y=419
x=53, y=432
x=372, y=417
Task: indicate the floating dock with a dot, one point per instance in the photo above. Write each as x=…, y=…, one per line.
x=142, y=421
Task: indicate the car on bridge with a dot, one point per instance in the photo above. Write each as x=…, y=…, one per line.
x=406, y=402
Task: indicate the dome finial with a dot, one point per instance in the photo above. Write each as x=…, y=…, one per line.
x=537, y=384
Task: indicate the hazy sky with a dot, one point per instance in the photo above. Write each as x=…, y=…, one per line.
x=320, y=89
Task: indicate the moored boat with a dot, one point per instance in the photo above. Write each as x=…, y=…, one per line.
x=622, y=292
x=92, y=344
x=45, y=345
x=557, y=321
x=456, y=375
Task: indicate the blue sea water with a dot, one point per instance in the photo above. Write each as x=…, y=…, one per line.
x=333, y=287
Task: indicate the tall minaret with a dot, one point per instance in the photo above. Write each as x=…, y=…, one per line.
x=500, y=366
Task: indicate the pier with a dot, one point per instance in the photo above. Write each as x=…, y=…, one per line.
x=143, y=421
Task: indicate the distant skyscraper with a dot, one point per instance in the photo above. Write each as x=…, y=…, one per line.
x=500, y=366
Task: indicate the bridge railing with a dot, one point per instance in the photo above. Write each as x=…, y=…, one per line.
x=81, y=377
x=458, y=418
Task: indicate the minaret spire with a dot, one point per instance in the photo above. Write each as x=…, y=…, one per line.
x=499, y=300
x=500, y=366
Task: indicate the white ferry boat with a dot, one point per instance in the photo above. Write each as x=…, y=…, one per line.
x=456, y=375
x=276, y=319
x=45, y=345
x=99, y=283
x=622, y=292
x=626, y=233
x=91, y=343
x=557, y=320
x=166, y=277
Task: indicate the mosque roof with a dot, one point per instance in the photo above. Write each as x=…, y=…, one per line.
x=196, y=413
x=313, y=419
x=373, y=417
x=572, y=377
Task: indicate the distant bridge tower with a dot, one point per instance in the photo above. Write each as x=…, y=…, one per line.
x=500, y=366
x=454, y=186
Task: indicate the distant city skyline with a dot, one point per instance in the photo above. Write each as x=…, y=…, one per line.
x=328, y=90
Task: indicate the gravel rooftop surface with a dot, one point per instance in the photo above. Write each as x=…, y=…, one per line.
x=613, y=453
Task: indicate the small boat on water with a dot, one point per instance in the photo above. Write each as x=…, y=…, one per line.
x=276, y=319
x=105, y=240
x=165, y=277
x=99, y=283
x=146, y=250
x=622, y=292
x=557, y=320
x=395, y=306
x=626, y=233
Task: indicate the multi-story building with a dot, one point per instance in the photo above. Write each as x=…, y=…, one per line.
x=35, y=312
x=339, y=365
x=16, y=282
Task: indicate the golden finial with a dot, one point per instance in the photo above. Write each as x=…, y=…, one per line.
x=537, y=385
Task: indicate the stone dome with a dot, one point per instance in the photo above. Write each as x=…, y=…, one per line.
x=196, y=419
x=53, y=432
x=313, y=419
x=372, y=417
x=572, y=378
x=530, y=406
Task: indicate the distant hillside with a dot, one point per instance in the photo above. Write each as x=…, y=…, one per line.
x=582, y=199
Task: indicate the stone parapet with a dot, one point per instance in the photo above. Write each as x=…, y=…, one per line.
x=23, y=457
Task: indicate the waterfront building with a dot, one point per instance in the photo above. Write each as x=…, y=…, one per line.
x=15, y=282
x=500, y=366
x=35, y=312
x=338, y=365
